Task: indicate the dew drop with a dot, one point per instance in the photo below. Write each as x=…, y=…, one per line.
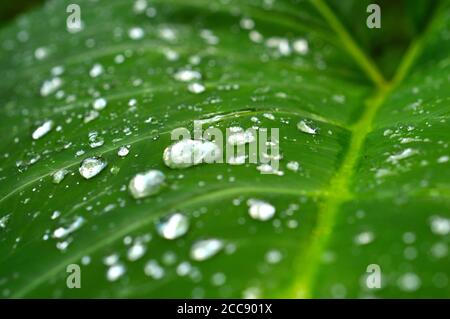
x=364, y=238
x=205, y=249
x=305, y=128
x=153, y=269
x=187, y=75
x=96, y=70
x=293, y=166
x=273, y=256
x=136, y=251
x=123, y=151
x=62, y=232
x=99, y=104
x=196, y=88
x=92, y=166
x=59, y=175
x=409, y=282
x=173, y=226
x=136, y=33
x=146, y=184
x=42, y=130
x=115, y=272
x=187, y=153
x=260, y=210
x=440, y=225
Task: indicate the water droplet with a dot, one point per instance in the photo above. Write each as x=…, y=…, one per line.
x=96, y=70
x=260, y=210
x=293, y=166
x=59, y=175
x=440, y=225
x=95, y=140
x=4, y=221
x=187, y=75
x=154, y=270
x=136, y=251
x=55, y=214
x=99, y=104
x=62, y=232
x=273, y=256
x=240, y=137
x=196, y=88
x=300, y=46
x=42, y=130
x=409, y=282
x=50, y=86
x=123, y=151
x=146, y=184
x=115, y=272
x=218, y=279
x=183, y=269
x=402, y=155
x=188, y=153
x=364, y=238
x=173, y=226
x=92, y=166
x=305, y=128
x=205, y=249
x=443, y=159
x=136, y=33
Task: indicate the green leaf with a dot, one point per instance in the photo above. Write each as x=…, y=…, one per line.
x=372, y=185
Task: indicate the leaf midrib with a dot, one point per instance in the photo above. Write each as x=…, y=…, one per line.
x=339, y=190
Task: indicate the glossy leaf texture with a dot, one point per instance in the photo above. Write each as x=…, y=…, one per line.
x=371, y=186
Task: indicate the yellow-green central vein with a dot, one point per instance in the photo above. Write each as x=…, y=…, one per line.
x=339, y=190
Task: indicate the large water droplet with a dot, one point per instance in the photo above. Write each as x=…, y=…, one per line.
x=188, y=153
x=173, y=226
x=92, y=166
x=205, y=249
x=260, y=210
x=146, y=184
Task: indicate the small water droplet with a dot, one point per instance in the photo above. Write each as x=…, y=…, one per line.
x=42, y=130
x=123, y=151
x=173, y=226
x=273, y=256
x=59, y=175
x=99, y=104
x=293, y=166
x=305, y=128
x=440, y=225
x=92, y=166
x=260, y=210
x=146, y=184
x=409, y=282
x=196, y=88
x=154, y=270
x=187, y=75
x=205, y=249
x=115, y=272
x=62, y=232
x=364, y=238
x=96, y=70
x=136, y=251
x=136, y=33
